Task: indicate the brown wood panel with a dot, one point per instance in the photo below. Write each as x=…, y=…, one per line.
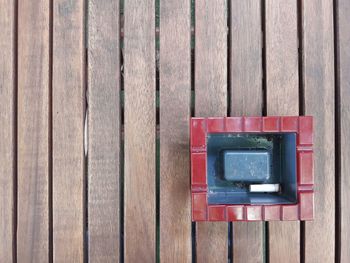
x=282, y=87
x=103, y=131
x=175, y=94
x=246, y=99
x=246, y=58
x=343, y=50
x=7, y=130
x=211, y=58
x=140, y=122
x=68, y=131
x=211, y=100
x=318, y=81
x=33, y=131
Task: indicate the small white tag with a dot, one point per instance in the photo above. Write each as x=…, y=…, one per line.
x=261, y=188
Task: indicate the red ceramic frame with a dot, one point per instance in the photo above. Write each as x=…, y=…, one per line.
x=302, y=210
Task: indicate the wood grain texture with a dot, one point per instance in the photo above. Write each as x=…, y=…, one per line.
x=246, y=58
x=282, y=82
x=33, y=131
x=140, y=122
x=344, y=84
x=68, y=131
x=282, y=87
x=248, y=242
x=246, y=99
x=318, y=80
x=7, y=130
x=211, y=100
x=211, y=58
x=103, y=131
x=175, y=94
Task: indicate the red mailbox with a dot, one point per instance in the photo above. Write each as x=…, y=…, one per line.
x=252, y=168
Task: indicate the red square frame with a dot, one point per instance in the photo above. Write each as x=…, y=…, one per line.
x=302, y=210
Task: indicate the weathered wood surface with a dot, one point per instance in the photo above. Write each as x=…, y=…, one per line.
x=246, y=58
x=175, y=99
x=33, y=131
x=282, y=88
x=318, y=83
x=68, y=103
x=58, y=204
x=211, y=100
x=103, y=131
x=7, y=131
x=140, y=131
x=343, y=59
x=246, y=100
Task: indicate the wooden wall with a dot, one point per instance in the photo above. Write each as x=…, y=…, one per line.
x=95, y=102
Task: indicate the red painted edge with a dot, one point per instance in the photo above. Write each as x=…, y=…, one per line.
x=306, y=205
x=272, y=212
x=290, y=212
x=199, y=207
x=236, y=213
x=289, y=123
x=198, y=134
x=305, y=168
x=305, y=130
x=215, y=125
x=252, y=124
x=199, y=170
x=254, y=212
x=271, y=124
x=234, y=124
x=217, y=212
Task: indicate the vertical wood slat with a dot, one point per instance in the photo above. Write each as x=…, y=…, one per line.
x=140, y=122
x=103, y=131
x=175, y=88
x=344, y=110
x=33, y=131
x=246, y=58
x=282, y=87
x=7, y=130
x=246, y=100
x=211, y=100
x=318, y=81
x=68, y=131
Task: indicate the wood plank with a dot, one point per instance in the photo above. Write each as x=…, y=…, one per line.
x=282, y=87
x=103, y=131
x=246, y=99
x=140, y=123
x=211, y=58
x=344, y=84
x=68, y=131
x=7, y=130
x=33, y=131
x=175, y=93
x=318, y=80
x=246, y=58
x=211, y=100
